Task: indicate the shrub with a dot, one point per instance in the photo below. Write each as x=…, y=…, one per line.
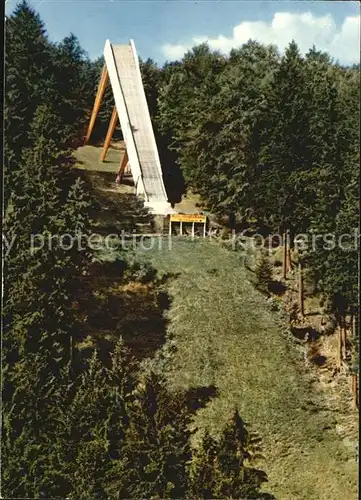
x=264, y=273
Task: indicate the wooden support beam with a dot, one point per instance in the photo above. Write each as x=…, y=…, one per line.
x=123, y=164
x=98, y=99
x=111, y=128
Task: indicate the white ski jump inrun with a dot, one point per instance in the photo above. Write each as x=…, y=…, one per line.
x=130, y=100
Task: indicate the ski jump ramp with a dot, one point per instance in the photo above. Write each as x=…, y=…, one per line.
x=126, y=81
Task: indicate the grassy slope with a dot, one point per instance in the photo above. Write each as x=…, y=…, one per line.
x=103, y=173
x=227, y=336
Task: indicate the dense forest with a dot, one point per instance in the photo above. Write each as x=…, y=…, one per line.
x=272, y=142
x=269, y=142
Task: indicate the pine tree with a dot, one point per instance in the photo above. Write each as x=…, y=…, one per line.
x=39, y=324
x=74, y=84
x=157, y=444
x=227, y=145
x=264, y=273
x=184, y=108
x=40, y=279
x=284, y=156
x=122, y=378
x=28, y=74
x=236, y=449
x=82, y=434
x=335, y=180
x=30, y=466
x=203, y=473
x=151, y=78
x=223, y=468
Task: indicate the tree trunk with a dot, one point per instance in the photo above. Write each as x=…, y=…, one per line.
x=354, y=389
x=300, y=289
x=339, y=346
x=344, y=338
x=289, y=252
x=232, y=220
x=289, y=260
x=285, y=255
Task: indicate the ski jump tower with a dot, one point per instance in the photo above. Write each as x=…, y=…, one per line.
x=122, y=70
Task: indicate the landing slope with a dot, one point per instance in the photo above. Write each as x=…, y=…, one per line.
x=226, y=335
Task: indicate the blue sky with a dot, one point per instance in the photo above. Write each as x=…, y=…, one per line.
x=164, y=29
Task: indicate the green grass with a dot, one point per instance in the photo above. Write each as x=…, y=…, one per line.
x=102, y=174
x=226, y=335
x=88, y=158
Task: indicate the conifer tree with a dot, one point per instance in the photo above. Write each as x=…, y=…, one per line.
x=203, y=473
x=82, y=435
x=157, y=444
x=237, y=448
x=27, y=64
x=39, y=324
x=284, y=154
x=74, y=88
x=30, y=461
x=264, y=273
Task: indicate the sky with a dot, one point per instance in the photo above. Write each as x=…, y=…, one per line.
x=166, y=29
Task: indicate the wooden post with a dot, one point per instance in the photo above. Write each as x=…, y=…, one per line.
x=354, y=389
x=123, y=164
x=111, y=128
x=344, y=338
x=300, y=287
x=289, y=259
x=285, y=255
x=339, y=346
x=181, y=228
x=204, y=230
x=170, y=227
x=192, y=229
x=98, y=99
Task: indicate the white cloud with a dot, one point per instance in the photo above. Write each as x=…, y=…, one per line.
x=174, y=51
x=341, y=42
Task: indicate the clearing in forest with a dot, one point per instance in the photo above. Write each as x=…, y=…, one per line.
x=228, y=338
x=231, y=345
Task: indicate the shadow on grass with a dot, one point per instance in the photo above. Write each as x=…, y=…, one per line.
x=116, y=300
x=315, y=356
x=199, y=397
x=307, y=333
x=319, y=359
x=113, y=211
x=277, y=287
